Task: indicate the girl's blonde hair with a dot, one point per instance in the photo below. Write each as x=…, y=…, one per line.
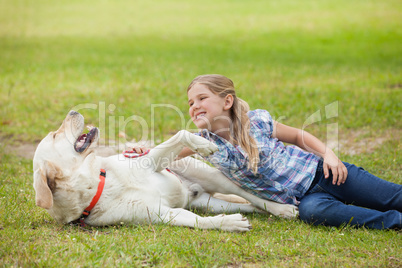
x=240, y=127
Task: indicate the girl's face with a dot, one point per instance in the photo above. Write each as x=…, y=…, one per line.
x=207, y=109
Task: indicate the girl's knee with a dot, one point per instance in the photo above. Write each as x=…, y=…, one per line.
x=313, y=206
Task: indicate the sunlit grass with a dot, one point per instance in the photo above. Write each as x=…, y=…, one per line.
x=137, y=57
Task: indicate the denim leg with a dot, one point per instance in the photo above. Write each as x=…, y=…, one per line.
x=364, y=189
x=324, y=209
x=374, y=202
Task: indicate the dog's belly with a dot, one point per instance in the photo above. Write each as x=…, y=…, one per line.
x=140, y=191
x=170, y=189
x=136, y=173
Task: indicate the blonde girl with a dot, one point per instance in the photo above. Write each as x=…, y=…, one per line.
x=253, y=155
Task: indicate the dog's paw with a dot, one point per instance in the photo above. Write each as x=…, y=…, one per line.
x=287, y=211
x=234, y=223
x=207, y=149
x=198, y=144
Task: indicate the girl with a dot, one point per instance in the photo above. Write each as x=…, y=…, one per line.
x=252, y=154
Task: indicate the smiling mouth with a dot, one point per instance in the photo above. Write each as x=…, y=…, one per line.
x=85, y=140
x=198, y=116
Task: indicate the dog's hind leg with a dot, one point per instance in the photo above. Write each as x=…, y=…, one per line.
x=208, y=203
x=213, y=181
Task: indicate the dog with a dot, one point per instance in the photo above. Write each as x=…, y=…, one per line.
x=74, y=184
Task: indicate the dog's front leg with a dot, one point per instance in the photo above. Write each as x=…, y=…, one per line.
x=165, y=153
x=231, y=223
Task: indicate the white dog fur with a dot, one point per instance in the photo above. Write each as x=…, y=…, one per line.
x=137, y=190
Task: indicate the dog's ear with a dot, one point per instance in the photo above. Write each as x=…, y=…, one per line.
x=45, y=184
x=53, y=173
x=44, y=196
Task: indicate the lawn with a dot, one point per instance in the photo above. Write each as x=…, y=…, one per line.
x=125, y=65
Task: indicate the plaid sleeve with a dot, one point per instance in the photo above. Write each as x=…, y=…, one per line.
x=261, y=121
x=204, y=133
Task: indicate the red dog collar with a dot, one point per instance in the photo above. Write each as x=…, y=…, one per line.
x=95, y=200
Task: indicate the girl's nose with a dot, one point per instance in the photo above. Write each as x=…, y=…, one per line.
x=196, y=105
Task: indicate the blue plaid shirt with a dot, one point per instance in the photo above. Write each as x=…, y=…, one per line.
x=285, y=173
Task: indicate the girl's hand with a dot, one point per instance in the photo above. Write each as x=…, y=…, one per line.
x=140, y=150
x=339, y=171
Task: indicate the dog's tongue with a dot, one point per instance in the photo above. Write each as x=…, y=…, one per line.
x=84, y=141
x=81, y=141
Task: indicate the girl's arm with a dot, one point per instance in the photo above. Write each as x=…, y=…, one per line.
x=308, y=142
x=185, y=152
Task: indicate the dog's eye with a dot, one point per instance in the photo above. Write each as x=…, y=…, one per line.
x=54, y=135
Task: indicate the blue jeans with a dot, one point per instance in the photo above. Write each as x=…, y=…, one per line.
x=363, y=200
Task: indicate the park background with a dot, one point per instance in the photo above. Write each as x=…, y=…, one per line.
x=293, y=58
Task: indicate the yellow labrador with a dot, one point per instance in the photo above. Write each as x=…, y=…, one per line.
x=73, y=183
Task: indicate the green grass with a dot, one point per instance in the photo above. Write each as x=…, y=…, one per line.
x=29, y=237
x=291, y=58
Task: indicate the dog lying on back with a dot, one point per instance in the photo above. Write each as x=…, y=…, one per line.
x=72, y=182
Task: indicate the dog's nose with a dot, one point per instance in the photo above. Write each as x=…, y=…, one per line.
x=73, y=113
